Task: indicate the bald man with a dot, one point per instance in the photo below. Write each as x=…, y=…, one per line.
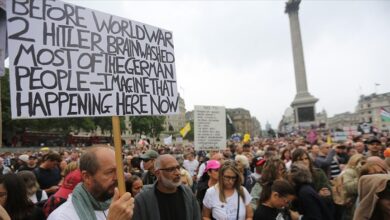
x=97, y=197
x=167, y=198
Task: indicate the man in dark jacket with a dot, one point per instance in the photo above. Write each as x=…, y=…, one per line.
x=148, y=159
x=167, y=198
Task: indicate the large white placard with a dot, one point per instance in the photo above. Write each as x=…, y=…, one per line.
x=67, y=61
x=210, y=127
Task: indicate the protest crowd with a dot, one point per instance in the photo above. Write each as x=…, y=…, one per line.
x=271, y=178
x=67, y=60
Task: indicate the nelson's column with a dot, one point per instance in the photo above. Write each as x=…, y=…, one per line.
x=304, y=102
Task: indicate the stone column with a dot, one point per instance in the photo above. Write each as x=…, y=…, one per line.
x=304, y=102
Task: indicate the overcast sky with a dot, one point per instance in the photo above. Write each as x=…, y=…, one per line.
x=239, y=54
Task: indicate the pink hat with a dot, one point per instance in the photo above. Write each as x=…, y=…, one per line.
x=70, y=182
x=212, y=164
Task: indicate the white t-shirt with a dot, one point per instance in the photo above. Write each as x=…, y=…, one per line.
x=34, y=199
x=191, y=166
x=201, y=169
x=67, y=211
x=228, y=210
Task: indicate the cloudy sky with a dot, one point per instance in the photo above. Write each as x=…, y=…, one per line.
x=238, y=53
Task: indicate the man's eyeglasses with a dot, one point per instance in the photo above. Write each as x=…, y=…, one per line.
x=171, y=169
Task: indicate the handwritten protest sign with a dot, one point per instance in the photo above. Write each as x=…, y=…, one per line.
x=67, y=61
x=210, y=127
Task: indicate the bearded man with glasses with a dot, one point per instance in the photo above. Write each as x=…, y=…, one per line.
x=167, y=198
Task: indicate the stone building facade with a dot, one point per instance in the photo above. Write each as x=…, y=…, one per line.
x=368, y=110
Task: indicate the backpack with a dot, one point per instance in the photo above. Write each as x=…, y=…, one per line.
x=338, y=191
x=39, y=195
x=40, y=202
x=51, y=204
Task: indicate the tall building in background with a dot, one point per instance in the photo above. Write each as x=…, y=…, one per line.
x=303, y=103
x=241, y=119
x=369, y=108
x=256, y=128
x=342, y=120
x=286, y=125
x=176, y=122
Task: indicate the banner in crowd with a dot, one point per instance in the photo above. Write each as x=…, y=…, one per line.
x=67, y=61
x=340, y=136
x=210, y=127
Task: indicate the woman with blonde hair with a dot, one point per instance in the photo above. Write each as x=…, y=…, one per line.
x=350, y=178
x=248, y=180
x=227, y=199
x=34, y=193
x=186, y=178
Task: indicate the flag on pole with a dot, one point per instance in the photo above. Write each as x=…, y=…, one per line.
x=385, y=115
x=185, y=129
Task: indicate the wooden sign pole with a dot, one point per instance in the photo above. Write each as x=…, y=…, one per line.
x=118, y=154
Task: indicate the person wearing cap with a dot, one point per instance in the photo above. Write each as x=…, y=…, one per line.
x=208, y=179
x=228, y=199
x=167, y=198
x=69, y=183
x=214, y=155
x=29, y=162
x=148, y=159
x=22, y=162
x=374, y=147
x=96, y=197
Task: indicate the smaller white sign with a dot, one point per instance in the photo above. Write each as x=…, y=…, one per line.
x=210, y=127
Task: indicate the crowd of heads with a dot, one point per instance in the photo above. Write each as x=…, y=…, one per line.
x=278, y=165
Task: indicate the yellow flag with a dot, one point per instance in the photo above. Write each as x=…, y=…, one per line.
x=329, y=139
x=185, y=130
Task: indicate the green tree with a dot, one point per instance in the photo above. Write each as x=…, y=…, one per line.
x=148, y=125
